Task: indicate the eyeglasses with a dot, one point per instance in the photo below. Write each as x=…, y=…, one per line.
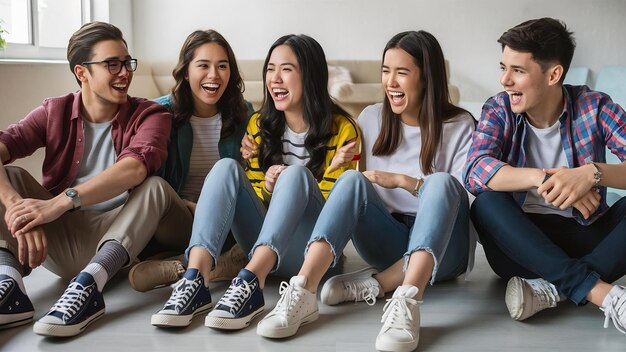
x=115, y=65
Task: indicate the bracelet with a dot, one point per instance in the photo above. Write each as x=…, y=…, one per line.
x=597, y=176
x=418, y=185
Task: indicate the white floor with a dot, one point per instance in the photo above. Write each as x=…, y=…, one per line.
x=456, y=316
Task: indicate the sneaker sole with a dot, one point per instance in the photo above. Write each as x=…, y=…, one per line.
x=47, y=329
x=223, y=323
x=13, y=320
x=170, y=320
x=396, y=346
x=325, y=293
x=514, y=298
x=281, y=333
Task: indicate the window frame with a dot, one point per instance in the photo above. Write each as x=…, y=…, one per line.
x=34, y=51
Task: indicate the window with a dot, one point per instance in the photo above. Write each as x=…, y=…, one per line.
x=40, y=29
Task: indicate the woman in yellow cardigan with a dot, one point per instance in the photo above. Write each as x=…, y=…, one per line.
x=305, y=142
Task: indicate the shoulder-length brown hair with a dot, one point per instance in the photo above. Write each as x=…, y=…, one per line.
x=436, y=106
x=231, y=104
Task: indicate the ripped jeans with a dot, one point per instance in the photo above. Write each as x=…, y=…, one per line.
x=228, y=202
x=441, y=226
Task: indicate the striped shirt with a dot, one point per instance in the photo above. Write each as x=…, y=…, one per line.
x=294, y=152
x=590, y=121
x=204, y=153
x=344, y=129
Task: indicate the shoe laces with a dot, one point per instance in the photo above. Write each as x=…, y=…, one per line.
x=397, y=313
x=5, y=285
x=289, y=298
x=360, y=290
x=237, y=293
x=616, y=311
x=182, y=293
x=72, y=300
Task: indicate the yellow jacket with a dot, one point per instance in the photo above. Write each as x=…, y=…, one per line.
x=344, y=130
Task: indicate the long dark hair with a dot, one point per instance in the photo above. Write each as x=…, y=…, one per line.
x=436, y=106
x=231, y=103
x=318, y=107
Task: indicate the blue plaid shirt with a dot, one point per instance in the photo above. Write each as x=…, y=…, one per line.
x=590, y=121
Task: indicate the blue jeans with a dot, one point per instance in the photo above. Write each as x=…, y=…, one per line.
x=228, y=202
x=441, y=226
x=558, y=249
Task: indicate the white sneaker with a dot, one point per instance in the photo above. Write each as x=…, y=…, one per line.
x=401, y=321
x=296, y=307
x=356, y=286
x=526, y=297
x=615, y=308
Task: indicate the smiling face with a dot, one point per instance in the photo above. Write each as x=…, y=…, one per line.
x=283, y=80
x=526, y=82
x=208, y=74
x=402, y=81
x=99, y=86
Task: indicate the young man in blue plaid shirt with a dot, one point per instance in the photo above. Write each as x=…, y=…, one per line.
x=537, y=166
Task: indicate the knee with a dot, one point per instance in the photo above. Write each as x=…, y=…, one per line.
x=225, y=166
x=16, y=173
x=351, y=177
x=441, y=180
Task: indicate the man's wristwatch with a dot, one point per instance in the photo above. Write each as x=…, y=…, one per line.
x=73, y=195
x=597, y=176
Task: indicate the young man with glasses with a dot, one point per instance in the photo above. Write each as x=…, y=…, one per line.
x=538, y=167
x=100, y=146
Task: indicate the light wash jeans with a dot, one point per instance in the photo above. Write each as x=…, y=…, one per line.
x=441, y=226
x=228, y=202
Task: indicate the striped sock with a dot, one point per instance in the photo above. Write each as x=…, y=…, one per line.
x=107, y=262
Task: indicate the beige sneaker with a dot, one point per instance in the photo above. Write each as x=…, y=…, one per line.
x=150, y=274
x=228, y=264
x=526, y=297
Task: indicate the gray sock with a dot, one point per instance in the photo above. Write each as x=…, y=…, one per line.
x=111, y=257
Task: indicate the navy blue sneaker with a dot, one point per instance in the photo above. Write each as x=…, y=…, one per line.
x=15, y=307
x=242, y=302
x=189, y=298
x=80, y=305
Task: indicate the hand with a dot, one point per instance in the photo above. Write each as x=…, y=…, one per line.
x=588, y=203
x=384, y=179
x=26, y=214
x=272, y=175
x=33, y=243
x=248, y=147
x=344, y=155
x=566, y=186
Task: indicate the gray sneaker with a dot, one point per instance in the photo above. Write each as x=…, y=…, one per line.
x=526, y=297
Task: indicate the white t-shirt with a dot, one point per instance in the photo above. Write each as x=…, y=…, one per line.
x=450, y=158
x=544, y=150
x=294, y=152
x=204, y=153
x=98, y=155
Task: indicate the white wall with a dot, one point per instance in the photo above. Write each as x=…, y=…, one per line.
x=359, y=29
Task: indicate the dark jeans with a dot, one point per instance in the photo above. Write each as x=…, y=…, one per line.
x=560, y=250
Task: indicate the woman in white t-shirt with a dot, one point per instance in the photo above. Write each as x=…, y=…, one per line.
x=407, y=212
